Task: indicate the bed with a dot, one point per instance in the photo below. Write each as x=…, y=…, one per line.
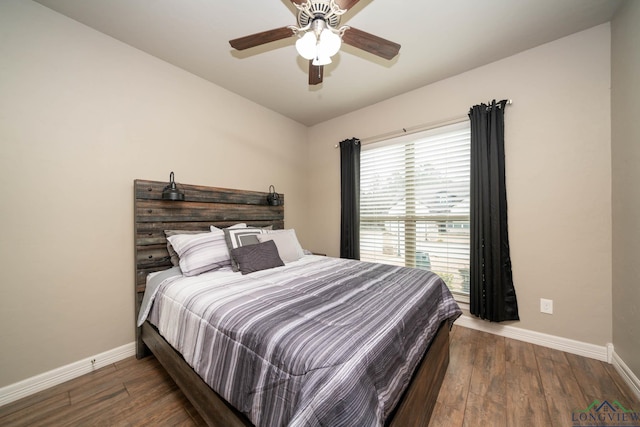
x=412, y=398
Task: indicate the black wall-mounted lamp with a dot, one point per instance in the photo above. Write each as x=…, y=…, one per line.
x=273, y=198
x=171, y=192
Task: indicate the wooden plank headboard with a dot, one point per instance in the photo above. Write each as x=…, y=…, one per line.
x=202, y=207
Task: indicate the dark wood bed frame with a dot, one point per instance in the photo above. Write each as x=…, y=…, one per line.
x=205, y=206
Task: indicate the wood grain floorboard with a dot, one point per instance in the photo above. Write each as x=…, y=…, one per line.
x=487, y=398
x=562, y=391
x=526, y=402
x=491, y=381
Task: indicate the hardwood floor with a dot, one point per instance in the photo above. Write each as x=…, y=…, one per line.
x=499, y=381
x=491, y=381
x=128, y=393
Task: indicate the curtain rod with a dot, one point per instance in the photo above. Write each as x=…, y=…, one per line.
x=415, y=129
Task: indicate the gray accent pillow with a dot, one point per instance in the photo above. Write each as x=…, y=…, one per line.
x=239, y=237
x=261, y=256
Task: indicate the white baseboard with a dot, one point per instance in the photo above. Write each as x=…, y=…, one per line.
x=599, y=352
x=57, y=376
x=626, y=374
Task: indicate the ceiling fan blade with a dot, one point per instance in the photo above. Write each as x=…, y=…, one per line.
x=373, y=44
x=346, y=4
x=261, y=38
x=315, y=73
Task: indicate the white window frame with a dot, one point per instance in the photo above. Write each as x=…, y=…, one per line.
x=442, y=234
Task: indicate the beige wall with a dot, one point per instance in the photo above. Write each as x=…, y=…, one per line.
x=81, y=116
x=558, y=160
x=625, y=140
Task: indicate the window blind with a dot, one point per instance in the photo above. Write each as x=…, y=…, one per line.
x=414, y=202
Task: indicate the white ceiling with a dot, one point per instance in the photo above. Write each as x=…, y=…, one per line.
x=439, y=38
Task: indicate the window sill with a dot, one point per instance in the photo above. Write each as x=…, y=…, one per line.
x=462, y=300
x=464, y=306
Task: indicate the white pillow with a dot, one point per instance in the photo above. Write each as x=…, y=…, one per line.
x=287, y=243
x=239, y=225
x=201, y=252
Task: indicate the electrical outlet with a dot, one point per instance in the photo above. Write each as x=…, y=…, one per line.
x=546, y=306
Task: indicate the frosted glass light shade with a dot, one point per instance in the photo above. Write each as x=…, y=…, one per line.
x=329, y=42
x=306, y=45
x=321, y=60
x=319, y=49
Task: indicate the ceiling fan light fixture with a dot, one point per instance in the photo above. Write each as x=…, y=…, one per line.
x=320, y=35
x=319, y=43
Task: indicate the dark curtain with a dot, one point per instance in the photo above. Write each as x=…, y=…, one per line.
x=492, y=294
x=350, y=198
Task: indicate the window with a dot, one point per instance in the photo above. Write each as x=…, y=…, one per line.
x=414, y=203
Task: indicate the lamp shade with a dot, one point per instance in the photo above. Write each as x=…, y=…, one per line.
x=329, y=43
x=319, y=44
x=321, y=60
x=306, y=45
x=273, y=198
x=171, y=191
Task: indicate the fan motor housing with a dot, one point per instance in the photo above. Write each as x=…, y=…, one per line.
x=318, y=10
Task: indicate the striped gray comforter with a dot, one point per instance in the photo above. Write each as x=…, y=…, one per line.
x=320, y=341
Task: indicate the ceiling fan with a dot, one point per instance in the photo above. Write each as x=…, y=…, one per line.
x=319, y=35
